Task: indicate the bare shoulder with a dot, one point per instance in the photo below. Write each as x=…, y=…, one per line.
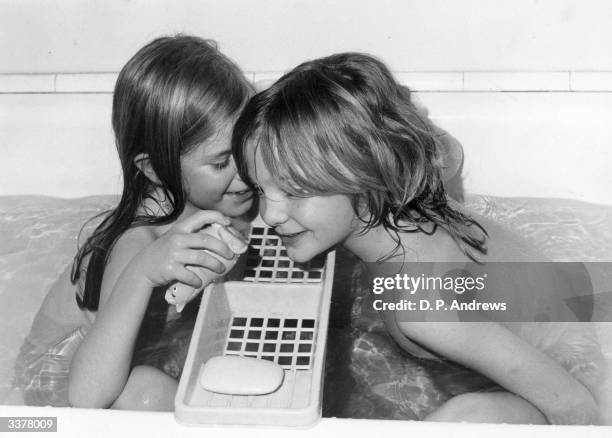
x=502, y=244
x=136, y=236
x=125, y=249
x=131, y=243
x=505, y=245
x=437, y=247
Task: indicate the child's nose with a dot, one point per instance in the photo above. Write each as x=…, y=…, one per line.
x=233, y=168
x=237, y=183
x=273, y=212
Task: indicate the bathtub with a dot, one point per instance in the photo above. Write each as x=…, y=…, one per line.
x=541, y=158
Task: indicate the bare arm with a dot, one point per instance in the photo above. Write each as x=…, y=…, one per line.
x=513, y=363
x=101, y=366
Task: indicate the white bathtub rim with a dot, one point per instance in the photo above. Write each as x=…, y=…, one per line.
x=101, y=422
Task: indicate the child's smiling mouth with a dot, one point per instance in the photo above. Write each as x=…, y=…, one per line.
x=238, y=197
x=290, y=238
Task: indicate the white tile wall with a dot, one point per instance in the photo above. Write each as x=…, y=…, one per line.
x=516, y=144
x=264, y=79
x=591, y=81
x=431, y=81
x=516, y=81
x=85, y=82
x=250, y=75
x=418, y=81
x=27, y=83
x=58, y=145
x=414, y=35
x=535, y=144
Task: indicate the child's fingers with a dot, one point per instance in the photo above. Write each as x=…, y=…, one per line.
x=198, y=220
x=202, y=259
x=210, y=243
x=188, y=277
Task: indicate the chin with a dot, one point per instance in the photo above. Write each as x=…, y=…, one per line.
x=304, y=255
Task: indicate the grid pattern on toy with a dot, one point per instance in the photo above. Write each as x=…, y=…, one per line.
x=267, y=261
x=289, y=342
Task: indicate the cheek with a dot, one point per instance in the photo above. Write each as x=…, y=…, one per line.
x=214, y=182
x=334, y=219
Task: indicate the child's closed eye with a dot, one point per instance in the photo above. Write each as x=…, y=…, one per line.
x=220, y=165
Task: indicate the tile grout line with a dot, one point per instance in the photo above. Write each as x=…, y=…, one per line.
x=570, y=81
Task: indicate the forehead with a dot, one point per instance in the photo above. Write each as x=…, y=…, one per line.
x=258, y=170
x=217, y=144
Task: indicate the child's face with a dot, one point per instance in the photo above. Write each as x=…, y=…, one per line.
x=306, y=225
x=211, y=180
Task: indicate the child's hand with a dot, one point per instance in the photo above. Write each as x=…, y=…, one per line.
x=164, y=261
x=180, y=294
x=580, y=408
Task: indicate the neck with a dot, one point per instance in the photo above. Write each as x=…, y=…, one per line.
x=377, y=243
x=155, y=204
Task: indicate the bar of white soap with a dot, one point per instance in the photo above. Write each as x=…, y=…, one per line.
x=237, y=375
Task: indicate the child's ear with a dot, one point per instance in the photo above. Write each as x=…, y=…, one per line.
x=143, y=163
x=362, y=211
